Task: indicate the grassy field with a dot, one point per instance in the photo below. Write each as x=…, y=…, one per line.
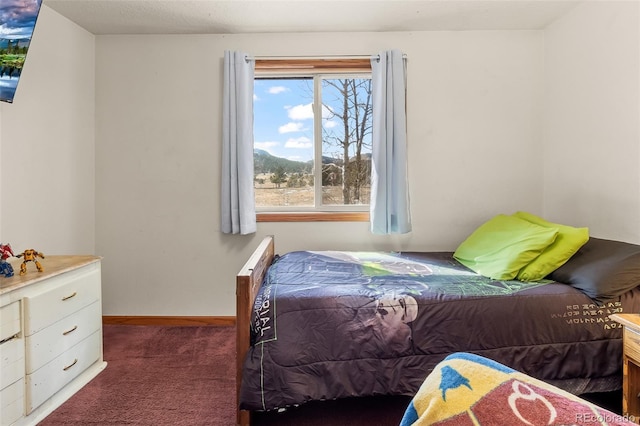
x=268, y=195
x=12, y=60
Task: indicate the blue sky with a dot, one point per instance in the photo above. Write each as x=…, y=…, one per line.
x=283, y=118
x=17, y=18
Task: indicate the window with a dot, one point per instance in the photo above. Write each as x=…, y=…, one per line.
x=312, y=138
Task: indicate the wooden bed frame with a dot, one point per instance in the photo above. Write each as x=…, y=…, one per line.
x=248, y=282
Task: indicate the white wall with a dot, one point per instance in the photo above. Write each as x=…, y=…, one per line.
x=480, y=107
x=592, y=143
x=474, y=128
x=47, y=144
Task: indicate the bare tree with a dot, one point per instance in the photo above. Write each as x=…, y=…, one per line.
x=352, y=107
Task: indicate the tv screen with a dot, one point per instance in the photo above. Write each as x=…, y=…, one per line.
x=17, y=21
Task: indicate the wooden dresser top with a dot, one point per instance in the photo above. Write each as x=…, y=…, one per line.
x=53, y=265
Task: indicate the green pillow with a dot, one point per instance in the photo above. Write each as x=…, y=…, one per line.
x=567, y=243
x=502, y=246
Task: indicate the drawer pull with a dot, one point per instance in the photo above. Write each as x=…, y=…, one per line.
x=70, y=365
x=8, y=339
x=64, y=333
x=69, y=296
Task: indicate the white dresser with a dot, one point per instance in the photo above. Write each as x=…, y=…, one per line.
x=50, y=336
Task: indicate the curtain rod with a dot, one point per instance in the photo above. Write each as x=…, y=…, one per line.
x=284, y=58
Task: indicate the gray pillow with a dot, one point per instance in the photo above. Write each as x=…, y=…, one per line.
x=602, y=269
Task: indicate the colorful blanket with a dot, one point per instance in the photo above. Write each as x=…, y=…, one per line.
x=466, y=389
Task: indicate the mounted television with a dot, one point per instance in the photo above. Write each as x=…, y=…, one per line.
x=17, y=21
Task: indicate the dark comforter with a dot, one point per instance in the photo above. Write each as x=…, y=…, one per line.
x=337, y=324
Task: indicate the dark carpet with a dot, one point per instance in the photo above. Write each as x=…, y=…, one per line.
x=158, y=376
x=185, y=376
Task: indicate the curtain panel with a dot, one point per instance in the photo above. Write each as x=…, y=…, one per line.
x=238, y=211
x=390, y=210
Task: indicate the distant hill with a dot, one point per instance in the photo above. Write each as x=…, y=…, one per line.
x=23, y=42
x=263, y=162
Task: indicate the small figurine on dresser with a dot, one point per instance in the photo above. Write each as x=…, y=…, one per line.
x=5, y=267
x=30, y=255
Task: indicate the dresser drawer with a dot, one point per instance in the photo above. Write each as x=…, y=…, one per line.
x=47, y=344
x=50, y=378
x=11, y=361
x=74, y=291
x=9, y=320
x=12, y=403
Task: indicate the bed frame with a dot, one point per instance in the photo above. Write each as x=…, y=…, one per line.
x=248, y=282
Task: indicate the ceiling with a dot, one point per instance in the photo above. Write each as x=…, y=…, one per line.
x=284, y=16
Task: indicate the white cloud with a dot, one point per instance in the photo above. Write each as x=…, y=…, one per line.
x=329, y=124
x=300, y=112
x=327, y=111
x=8, y=31
x=291, y=127
x=301, y=142
x=265, y=145
x=274, y=90
x=328, y=116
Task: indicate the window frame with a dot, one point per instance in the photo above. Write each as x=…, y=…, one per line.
x=317, y=69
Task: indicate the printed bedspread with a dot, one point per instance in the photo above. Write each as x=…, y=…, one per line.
x=467, y=389
x=336, y=324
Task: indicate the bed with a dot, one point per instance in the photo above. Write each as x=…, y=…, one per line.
x=324, y=325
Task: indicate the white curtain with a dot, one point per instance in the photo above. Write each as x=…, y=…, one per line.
x=389, y=183
x=237, y=193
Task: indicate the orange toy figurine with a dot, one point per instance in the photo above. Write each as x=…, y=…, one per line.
x=30, y=255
